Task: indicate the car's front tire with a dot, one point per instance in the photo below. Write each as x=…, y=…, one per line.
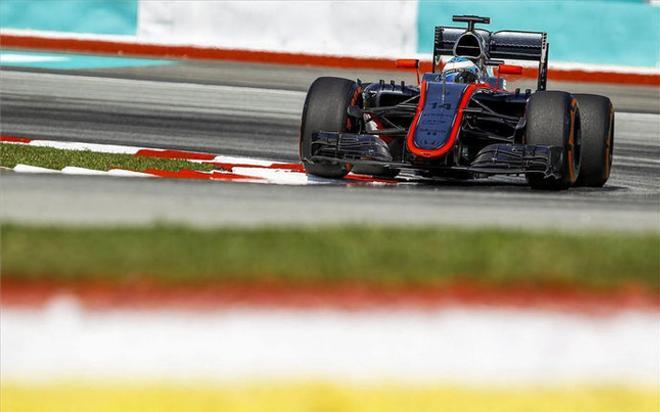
x=328, y=99
x=553, y=119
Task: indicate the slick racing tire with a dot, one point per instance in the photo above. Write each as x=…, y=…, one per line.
x=553, y=119
x=326, y=110
x=597, y=124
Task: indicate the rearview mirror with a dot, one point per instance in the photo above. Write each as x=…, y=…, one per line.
x=509, y=69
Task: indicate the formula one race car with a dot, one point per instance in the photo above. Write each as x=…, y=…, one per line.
x=460, y=122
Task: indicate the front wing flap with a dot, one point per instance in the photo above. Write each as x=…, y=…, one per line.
x=350, y=146
x=509, y=158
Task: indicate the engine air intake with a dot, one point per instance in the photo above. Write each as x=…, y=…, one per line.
x=468, y=45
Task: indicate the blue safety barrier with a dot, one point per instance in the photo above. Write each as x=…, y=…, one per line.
x=77, y=16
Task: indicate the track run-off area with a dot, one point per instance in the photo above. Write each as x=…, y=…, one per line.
x=254, y=112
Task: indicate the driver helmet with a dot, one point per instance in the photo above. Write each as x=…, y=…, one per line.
x=461, y=70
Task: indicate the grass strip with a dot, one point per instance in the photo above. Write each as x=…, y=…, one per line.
x=57, y=159
x=386, y=256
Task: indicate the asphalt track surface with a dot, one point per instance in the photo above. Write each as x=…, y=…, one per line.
x=254, y=111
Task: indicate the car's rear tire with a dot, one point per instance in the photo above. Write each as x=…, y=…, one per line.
x=326, y=110
x=553, y=119
x=597, y=124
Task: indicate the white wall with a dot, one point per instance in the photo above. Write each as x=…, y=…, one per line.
x=358, y=28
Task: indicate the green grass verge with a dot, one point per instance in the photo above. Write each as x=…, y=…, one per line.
x=384, y=256
x=13, y=154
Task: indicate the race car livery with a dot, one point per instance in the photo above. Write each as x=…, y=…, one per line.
x=460, y=121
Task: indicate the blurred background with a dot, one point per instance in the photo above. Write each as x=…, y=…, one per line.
x=606, y=32
x=235, y=282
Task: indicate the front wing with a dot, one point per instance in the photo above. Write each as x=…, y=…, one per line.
x=500, y=158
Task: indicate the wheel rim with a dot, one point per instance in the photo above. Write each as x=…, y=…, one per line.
x=609, y=150
x=577, y=144
x=574, y=151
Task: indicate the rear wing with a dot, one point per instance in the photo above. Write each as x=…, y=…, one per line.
x=506, y=44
